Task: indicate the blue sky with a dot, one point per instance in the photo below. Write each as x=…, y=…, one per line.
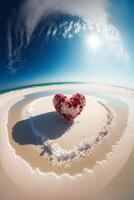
x=56, y=54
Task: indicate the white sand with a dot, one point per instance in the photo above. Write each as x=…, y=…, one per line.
x=38, y=185
x=86, y=125
x=72, y=140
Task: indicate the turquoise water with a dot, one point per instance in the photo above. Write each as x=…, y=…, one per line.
x=39, y=85
x=58, y=83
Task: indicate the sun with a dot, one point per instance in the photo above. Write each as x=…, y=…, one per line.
x=93, y=41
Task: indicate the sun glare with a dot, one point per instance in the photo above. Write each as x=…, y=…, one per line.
x=93, y=41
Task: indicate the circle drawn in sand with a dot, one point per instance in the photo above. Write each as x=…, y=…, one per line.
x=88, y=180
x=48, y=126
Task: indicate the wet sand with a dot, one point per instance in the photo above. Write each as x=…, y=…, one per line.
x=84, y=128
x=105, y=162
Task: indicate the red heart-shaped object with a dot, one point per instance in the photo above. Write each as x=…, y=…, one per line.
x=70, y=108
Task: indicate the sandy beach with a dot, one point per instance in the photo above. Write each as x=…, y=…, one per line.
x=29, y=125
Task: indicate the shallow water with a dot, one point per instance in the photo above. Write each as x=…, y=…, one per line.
x=120, y=188
x=118, y=105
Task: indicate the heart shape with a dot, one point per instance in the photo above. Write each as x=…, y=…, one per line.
x=70, y=108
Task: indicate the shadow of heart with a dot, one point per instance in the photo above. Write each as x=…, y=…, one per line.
x=36, y=130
